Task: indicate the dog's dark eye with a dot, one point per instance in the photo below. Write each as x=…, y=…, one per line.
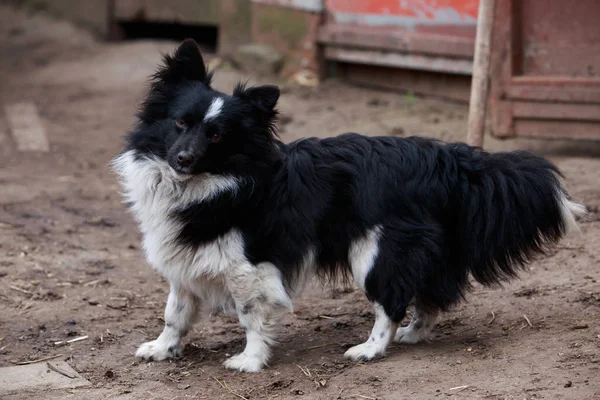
x=180, y=124
x=216, y=138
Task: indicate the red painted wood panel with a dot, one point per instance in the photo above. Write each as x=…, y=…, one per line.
x=425, y=9
x=544, y=69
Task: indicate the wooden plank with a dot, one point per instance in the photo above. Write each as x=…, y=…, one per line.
x=304, y=5
x=556, y=81
x=502, y=64
x=396, y=39
x=410, y=61
x=462, y=10
x=557, y=129
x=542, y=101
x=481, y=74
x=554, y=44
x=555, y=111
x=502, y=118
x=26, y=127
x=581, y=95
x=449, y=86
x=406, y=13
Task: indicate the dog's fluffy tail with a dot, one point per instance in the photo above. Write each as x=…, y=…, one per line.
x=512, y=208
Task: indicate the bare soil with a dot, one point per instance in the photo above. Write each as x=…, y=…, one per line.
x=70, y=262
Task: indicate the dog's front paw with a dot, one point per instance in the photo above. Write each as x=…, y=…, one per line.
x=157, y=350
x=365, y=352
x=244, y=363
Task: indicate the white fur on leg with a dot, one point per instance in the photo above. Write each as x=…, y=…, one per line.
x=380, y=338
x=180, y=313
x=260, y=299
x=420, y=327
x=362, y=255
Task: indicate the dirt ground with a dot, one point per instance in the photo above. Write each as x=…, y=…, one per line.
x=70, y=262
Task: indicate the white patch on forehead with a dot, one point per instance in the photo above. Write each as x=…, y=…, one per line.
x=214, y=110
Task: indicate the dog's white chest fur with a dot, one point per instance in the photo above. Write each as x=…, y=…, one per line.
x=154, y=194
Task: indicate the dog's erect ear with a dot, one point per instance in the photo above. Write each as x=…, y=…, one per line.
x=186, y=64
x=263, y=97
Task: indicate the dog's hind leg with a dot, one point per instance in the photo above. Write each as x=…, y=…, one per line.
x=381, y=336
x=420, y=326
x=180, y=313
x=260, y=299
x=388, y=263
x=364, y=256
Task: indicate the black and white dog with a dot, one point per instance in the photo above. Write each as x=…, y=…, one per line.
x=236, y=219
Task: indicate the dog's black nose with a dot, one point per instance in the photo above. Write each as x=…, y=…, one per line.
x=185, y=159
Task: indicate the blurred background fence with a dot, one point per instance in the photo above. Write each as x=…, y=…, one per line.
x=545, y=55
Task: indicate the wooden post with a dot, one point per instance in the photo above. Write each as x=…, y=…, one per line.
x=481, y=73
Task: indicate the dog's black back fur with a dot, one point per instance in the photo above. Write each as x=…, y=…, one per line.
x=446, y=210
